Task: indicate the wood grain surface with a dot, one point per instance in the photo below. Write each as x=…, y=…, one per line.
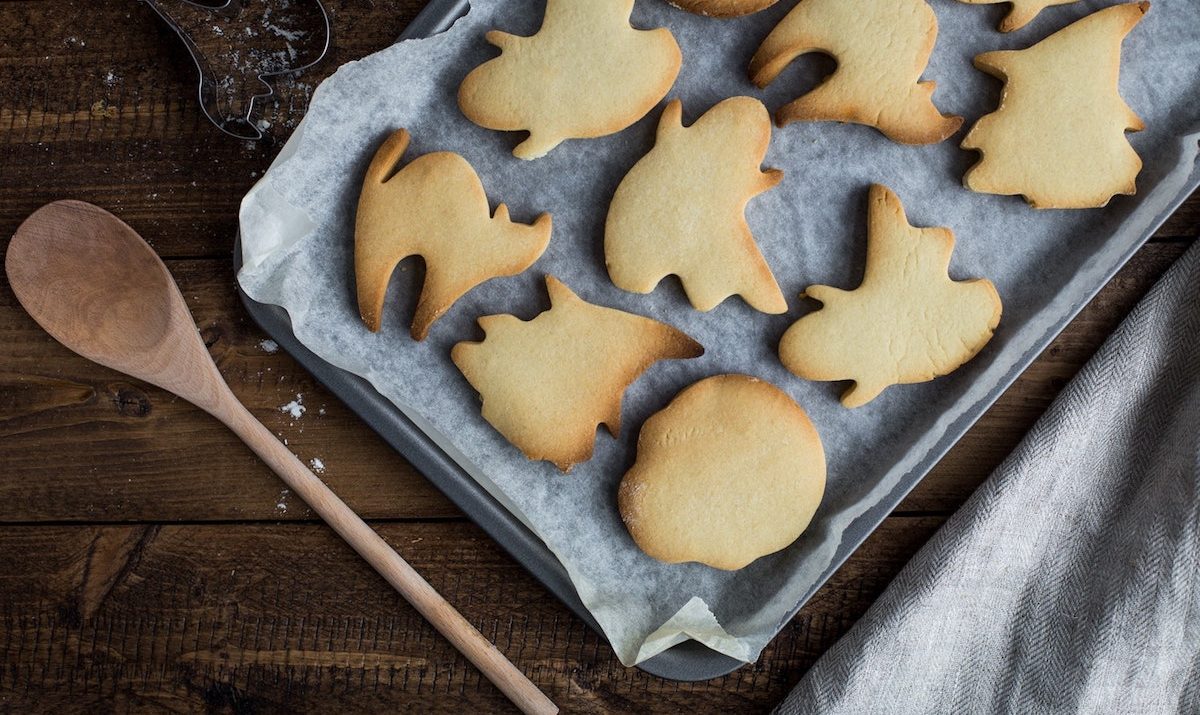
x=148, y=562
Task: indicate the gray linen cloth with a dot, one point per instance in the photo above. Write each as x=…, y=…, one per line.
x=1070, y=581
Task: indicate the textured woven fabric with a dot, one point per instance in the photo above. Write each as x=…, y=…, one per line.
x=1070, y=581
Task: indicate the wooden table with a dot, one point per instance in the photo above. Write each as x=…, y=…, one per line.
x=149, y=562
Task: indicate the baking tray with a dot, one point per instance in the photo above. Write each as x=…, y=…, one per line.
x=687, y=661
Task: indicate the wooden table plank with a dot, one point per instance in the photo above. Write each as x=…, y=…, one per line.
x=280, y=616
x=81, y=443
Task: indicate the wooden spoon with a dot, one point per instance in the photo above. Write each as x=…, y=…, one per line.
x=98, y=288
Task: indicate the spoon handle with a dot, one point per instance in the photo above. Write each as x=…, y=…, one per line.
x=415, y=589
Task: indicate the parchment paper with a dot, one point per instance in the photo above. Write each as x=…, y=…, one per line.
x=297, y=231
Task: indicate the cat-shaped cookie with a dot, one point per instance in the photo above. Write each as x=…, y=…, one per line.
x=434, y=207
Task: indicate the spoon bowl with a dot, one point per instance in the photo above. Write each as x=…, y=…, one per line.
x=95, y=285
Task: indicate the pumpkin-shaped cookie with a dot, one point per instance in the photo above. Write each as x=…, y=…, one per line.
x=730, y=471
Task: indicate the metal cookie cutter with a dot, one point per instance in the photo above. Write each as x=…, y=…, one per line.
x=239, y=45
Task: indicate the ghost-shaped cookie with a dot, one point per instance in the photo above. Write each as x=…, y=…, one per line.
x=908, y=322
x=586, y=73
x=548, y=383
x=681, y=209
x=434, y=207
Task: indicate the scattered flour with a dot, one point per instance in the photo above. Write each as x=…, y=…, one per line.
x=295, y=408
x=268, y=346
x=317, y=465
x=281, y=502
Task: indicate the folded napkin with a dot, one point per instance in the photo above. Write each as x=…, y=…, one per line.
x=1070, y=581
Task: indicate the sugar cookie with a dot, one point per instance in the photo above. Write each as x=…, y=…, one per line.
x=434, y=207
x=1058, y=137
x=586, y=73
x=730, y=471
x=681, y=209
x=548, y=383
x=723, y=8
x=908, y=321
x=881, y=47
x=1022, y=12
